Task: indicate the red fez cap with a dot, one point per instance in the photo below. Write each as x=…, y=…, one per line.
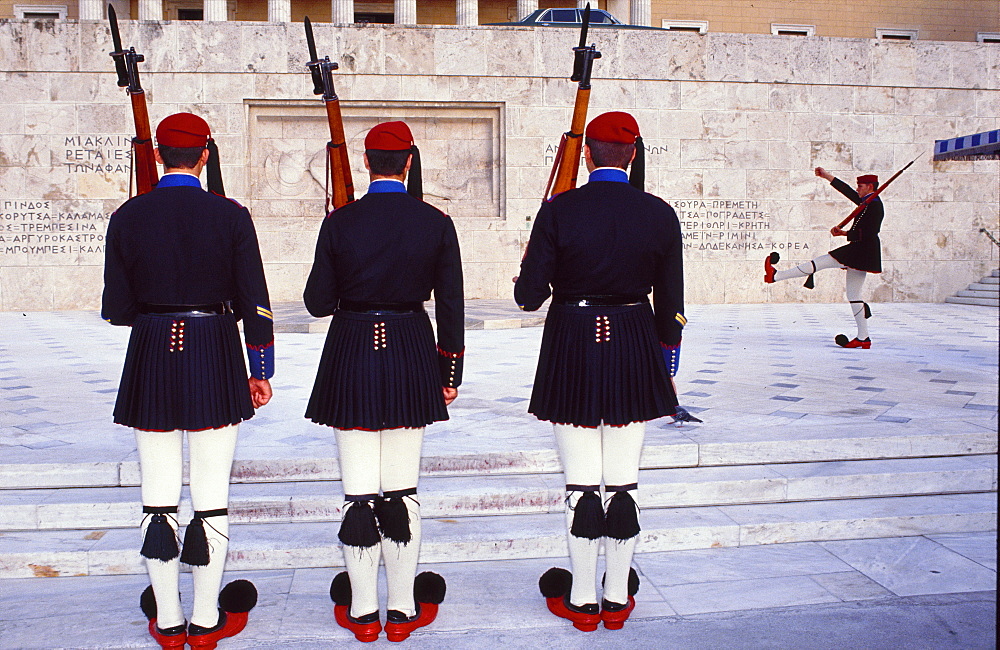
x=389, y=136
x=613, y=127
x=868, y=179
x=183, y=130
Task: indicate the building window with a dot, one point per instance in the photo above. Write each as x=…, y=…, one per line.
x=693, y=26
x=40, y=12
x=896, y=34
x=189, y=13
x=372, y=17
x=793, y=30
x=988, y=37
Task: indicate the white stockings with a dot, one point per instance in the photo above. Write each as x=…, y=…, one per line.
x=211, y=461
x=590, y=457
x=374, y=463
x=855, y=281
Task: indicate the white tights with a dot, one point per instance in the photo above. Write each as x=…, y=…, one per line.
x=855, y=281
x=591, y=456
x=372, y=462
x=161, y=460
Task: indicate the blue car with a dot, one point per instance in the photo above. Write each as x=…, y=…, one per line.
x=565, y=17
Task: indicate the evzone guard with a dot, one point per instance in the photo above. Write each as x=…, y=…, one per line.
x=859, y=257
x=182, y=267
x=606, y=360
x=382, y=379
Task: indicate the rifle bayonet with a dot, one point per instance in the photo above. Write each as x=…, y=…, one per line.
x=322, y=77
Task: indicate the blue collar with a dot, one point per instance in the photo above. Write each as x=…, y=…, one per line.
x=385, y=186
x=609, y=174
x=179, y=180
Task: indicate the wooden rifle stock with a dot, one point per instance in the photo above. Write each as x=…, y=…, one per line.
x=569, y=162
x=146, y=176
x=340, y=166
x=871, y=197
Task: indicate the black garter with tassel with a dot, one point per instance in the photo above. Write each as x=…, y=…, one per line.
x=393, y=517
x=359, y=527
x=622, y=517
x=160, y=540
x=196, y=551
x=588, y=515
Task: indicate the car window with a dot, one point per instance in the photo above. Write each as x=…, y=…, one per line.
x=562, y=16
x=599, y=17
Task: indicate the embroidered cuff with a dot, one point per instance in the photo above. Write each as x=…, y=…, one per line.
x=261, y=359
x=450, y=365
x=672, y=357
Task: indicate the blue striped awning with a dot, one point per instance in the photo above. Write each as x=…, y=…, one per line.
x=981, y=146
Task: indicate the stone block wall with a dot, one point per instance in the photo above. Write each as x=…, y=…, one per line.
x=734, y=123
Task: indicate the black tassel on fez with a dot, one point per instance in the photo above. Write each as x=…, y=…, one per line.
x=359, y=527
x=393, y=520
x=160, y=540
x=195, y=544
x=623, y=517
x=588, y=517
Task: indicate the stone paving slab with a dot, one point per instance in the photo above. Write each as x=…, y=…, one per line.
x=263, y=546
x=759, y=591
x=95, y=508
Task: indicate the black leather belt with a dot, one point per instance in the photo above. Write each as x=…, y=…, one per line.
x=599, y=301
x=381, y=307
x=192, y=311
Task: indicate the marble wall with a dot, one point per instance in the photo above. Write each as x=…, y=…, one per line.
x=734, y=123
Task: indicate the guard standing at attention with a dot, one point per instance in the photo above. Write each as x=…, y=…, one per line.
x=606, y=358
x=381, y=378
x=182, y=267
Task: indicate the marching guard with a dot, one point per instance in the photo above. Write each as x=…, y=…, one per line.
x=860, y=256
x=381, y=378
x=606, y=358
x=182, y=267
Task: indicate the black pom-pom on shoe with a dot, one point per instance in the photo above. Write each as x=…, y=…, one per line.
x=147, y=603
x=555, y=583
x=340, y=589
x=429, y=587
x=238, y=596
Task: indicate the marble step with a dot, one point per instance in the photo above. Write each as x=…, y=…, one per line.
x=963, y=300
x=283, y=546
x=976, y=290
x=988, y=287
x=318, y=501
x=990, y=280
x=742, y=443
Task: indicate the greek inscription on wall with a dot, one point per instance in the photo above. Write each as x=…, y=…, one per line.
x=652, y=151
x=729, y=225
x=102, y=154
x=43, y=230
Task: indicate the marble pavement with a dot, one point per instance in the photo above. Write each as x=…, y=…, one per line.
x=747, y=370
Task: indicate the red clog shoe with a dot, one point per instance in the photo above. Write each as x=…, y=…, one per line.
x=614, y=615
x=365, y=628
x=584, y=617
x=230, y=624
x=398, y=626
x=172, y=637
x=842, y=341
x=769, y=269
x=555, y=585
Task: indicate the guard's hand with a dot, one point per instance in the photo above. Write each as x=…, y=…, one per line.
x=837, y=231
x=449, y=394
x=260, y=392
x=822, y=173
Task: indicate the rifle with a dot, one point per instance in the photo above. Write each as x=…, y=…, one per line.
x=338, y=166
x=126, y=64
x=871, y=197
x=567, y=159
